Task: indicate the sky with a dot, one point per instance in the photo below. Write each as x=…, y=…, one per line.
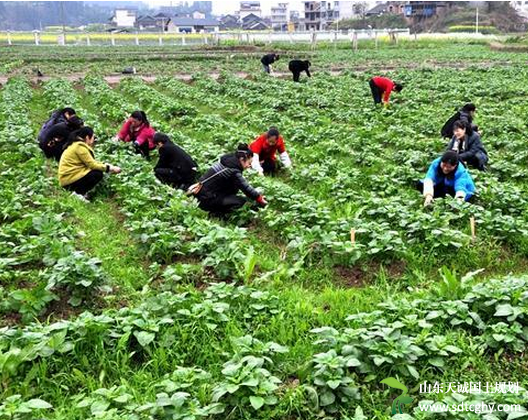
x=221, y=7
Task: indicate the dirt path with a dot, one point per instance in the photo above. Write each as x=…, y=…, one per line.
x=336, y=71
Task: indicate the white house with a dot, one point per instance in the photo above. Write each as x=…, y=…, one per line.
x=521, y=7
x=124, y=18
x=190, y=25
x=249, y=7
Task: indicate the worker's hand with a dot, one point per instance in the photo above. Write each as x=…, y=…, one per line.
x=114, y=169
x=261, y=201
x=428, y=200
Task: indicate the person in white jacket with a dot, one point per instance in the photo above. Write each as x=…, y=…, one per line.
x=265, y=148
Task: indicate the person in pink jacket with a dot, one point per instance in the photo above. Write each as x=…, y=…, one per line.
x=137, y=130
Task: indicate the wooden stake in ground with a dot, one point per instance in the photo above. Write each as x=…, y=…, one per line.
x=472, y=226
x=353, y=236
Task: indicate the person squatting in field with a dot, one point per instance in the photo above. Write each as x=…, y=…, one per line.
x=218, y=187
x=53, y=140
x=381, y=88
x=175, y=166
x=79, y=172
x=467, y=144
x=446, y=176
x=265, y=148
x=267, y=61
x=57, y=117
x=465, y=114
x=297, y=67
x=137, y=130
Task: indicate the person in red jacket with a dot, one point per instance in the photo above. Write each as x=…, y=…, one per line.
x=382, y=87
x=137, y=130
x=265, y=148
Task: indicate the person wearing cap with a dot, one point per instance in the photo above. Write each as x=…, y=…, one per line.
x=54, y=139
x=447, y=176
x=381, y=88
x=265, y=148
x=218, y=187
x=175, y=167
x=465, y=114
x=468, y=145
x=79, y=172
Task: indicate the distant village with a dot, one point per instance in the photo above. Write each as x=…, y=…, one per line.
x=314, y=15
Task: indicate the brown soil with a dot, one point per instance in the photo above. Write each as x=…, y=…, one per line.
x=114, y=79
x=11, y=319
x=60, y=309
x=353, y=276
x=361, y=276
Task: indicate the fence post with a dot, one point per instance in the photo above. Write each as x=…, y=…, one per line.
x=204, y=37
x=88, y=41
x=36, y=34
x=313, y=39
x=376, y=38
x=61, y=39
x=160, y=40
x=9, y=42
x=112, y=39
x=355, y=40
x=291, y=38
x=137, y=38
x=183, y=39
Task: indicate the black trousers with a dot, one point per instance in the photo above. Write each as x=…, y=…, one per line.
x=269, y=166
x=222, y=205
x=174, y=178
x=86, y=183
x=266, y=68
x=52, y=150
x=478, y=161
x=376, y=92
x=440, y=190
x=143, y=150
x=296, y=75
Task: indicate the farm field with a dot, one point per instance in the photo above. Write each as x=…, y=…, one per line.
x=138, y=305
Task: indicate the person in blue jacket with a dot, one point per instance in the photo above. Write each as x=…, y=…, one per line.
x=447, y=176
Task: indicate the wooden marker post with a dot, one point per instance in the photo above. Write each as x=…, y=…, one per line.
x=353, y=236
x=472, y=226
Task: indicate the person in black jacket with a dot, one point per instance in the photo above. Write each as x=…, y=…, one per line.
x=268, y=60
x=54, y=139
x=468, y=145
x=298, y=66
x=57, y=117
x=175, y=166
x=465, y=114
x=221, y=183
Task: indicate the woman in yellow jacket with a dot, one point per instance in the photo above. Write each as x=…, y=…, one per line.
x=78, y=170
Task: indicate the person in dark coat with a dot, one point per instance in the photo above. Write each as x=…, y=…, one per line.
x=221, y=183
x=468, y=145
x=465, y=114
x=55, y=138
x=175, y=167
x=57, y=117
x=297, y=67
x=268, y=60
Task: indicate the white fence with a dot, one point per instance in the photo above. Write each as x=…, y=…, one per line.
x=117, y=39
x=216, y=38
